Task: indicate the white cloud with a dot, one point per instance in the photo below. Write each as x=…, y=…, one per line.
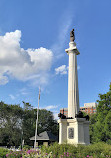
x=12, y=96
x=64, y=29
x=65, y=22
x=22, y=64
x=23, y=91
x=3, y=80
x=61, y=70
x=51, y=107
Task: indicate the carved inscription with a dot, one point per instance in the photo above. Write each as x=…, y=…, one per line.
x=71, y=133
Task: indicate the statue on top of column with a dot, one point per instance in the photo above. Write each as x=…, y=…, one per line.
x=72, y=36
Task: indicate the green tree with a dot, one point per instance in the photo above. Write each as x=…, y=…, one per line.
x=107, y=126
x=18, y=123
x=101, y=128
x=91, y=126
x=10, y=124
x=28, y=122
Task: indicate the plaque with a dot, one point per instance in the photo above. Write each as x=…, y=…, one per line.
x=71, y=133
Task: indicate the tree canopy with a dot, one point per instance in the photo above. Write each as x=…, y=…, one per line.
x=17, y=123
x=100, y=128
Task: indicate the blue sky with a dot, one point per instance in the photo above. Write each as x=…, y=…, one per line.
x=33, y=37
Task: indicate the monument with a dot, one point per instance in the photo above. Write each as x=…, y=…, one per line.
x=75, y=128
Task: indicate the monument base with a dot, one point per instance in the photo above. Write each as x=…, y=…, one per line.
x=74, y=131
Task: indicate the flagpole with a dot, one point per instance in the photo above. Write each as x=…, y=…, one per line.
x=37, y=120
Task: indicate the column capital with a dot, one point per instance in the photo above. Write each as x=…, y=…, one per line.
x=72, y=48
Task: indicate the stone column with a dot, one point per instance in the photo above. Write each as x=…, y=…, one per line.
x=73, y=92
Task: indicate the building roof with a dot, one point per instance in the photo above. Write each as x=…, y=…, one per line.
x=46, y=135
x=89, y=105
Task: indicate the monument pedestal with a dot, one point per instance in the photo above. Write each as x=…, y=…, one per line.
x=74, y=131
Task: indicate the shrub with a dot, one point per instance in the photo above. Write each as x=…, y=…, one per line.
x=31, y=154
x=26, y=147
x=14, y=154
x=98, y=150
x=3, y=152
